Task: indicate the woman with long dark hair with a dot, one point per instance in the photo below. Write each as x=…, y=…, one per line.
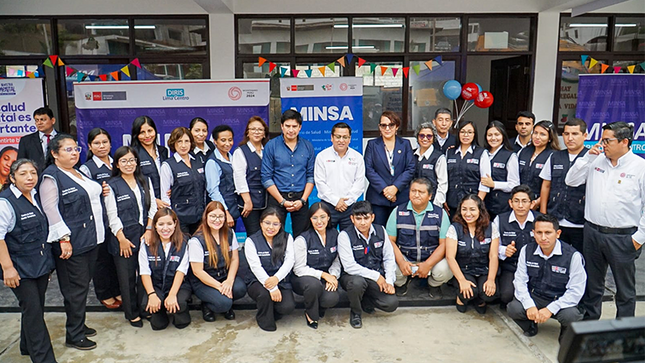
x=504, y=168
x=26, y=257
x=219, y=173
x=269, y=253
x=317, y=266
x=214, y=262
x=130, y=209
x=203, y=147
x=151, y=154
x=472, y=244
x=74, y=208
x=544, y=141
x=163, y=264
x=247, y=164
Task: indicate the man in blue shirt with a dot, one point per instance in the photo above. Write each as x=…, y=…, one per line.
x=288, y=171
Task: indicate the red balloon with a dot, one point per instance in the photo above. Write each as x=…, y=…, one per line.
x=484, y=99
x=469, y=91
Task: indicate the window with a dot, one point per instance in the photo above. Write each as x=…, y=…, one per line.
x=378, y=35
x=252, y=70
x=321, y=35
x=170, y=71
x=316, y=72
x=93, y=37
x=434, y=34
x=171, y=36
x=264, y=36
x=499, y=34
x=426, y=94
x=583, y=33
x=17, y=71
x=571, y=71
x=22, y=37
x=629, y=34
x=380, y=92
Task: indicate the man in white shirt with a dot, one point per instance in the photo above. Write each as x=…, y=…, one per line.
x=615, y=223
x=549, y=281
x=339, y=173
x=524, y=128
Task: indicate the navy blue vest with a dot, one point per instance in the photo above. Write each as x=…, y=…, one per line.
x=566, y=202
x=509, y=232
x=219, y=272
x=548, y=278
x=451, y=141
x=75, y=209
x=162, y=269
x=418, y=244
x=497, y=200
x=149, y=168
x=530, y=173
x=427, y=168
x=203, y=157
x=254, y=179
x=472, y=255
x=99, y=174
x=187, y=195
x=27, y=243
x=321, y=257
x=264, y=254
x=463, y=174
x=128, y=212
x=227, y=187
x=369, y=255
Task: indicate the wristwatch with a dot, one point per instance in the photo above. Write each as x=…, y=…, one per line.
x=282, y=203
x=64, y=239
x=304, y=202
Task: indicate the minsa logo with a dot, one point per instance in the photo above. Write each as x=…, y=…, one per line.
x=587, y=104
x=326, y=87
x=175, y=92
x=602, y=92
x=343, y=86
x=632, y=93
x=234, y=93
x=616, y=103
x=96, y=96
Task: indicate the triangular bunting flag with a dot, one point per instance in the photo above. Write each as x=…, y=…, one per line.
x=592, y=63
x=438, y=60
x=603, y=68
x=80, y=76
x=31, y=74
x=48, y=63
x=272, y=66
x=115, y=75
x=294, y=72
x=332, y=66
x=69, y=71
x=283, y=71
x=136, y=63
x=383, y=70
x=308, y=72
x=53, y=59
x=631, y=69
x=372, y=67
x=429, y=64
x=103, y=77
x=60, y=62
x=350, y=56
x=126, y=71
x=394, y=70
x=361, y=61
x=91, y=77
x=341, y=60
x=417, y=68
x=322, y=70
x=617, y=69
x=583, y=58
x=642, y=66
x=261, y=61
x=406, y=70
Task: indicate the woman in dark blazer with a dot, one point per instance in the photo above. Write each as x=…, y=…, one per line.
x=389, y=167
x=151, y=154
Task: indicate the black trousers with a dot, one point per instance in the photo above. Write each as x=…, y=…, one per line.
x=252, y=221
x=616, y=251
x=573, y=236
x=189, y=228
x=74, y=275
x=565, y=316
x=161, y=319
x=299, y=218
x=364, y=292
x=106, y=282
x=381, y=213
x=505, y=286
x=478, y=291
x=34, y=336
x=316, y=297
x=339, y=218
x=267, y=308
x=126, y=269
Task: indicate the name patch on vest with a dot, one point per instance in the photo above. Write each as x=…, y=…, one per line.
x=428, y=166
x=559, y=269
x=313, y=252
x=522, y=162
x=264, y=253
x=333, y=249
x=539, y=166
x=378, y=244
x=121, y=198
x=499, y=165
x=27, y=216
x=485, y=241
x=404, y=213
x=357, y=248
x=532, y=264
x=558, y=167
x=461, y=243
x=472, y=161
x=145, y=163
x=102, y=175
x=509, y=234
x=200, y=170
x=154, y=258
x=432, y=215
x=174, y=259
x=182, y=174
x=69, y=191
x=452, y=161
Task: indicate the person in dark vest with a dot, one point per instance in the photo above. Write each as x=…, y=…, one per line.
x=34, y=146
x=418, y=235
x=389, y=168
x=26, y=257
x=247, y=166
x=532, y=158
x=505, y=173
x=467, y=165
x=524, y=127
x=317, y=266
x=203, y=147
x=163, y=264
x=98, y=167
x=472, y=244
x=549, y=282
x=443, y=121
x=214, y=262
x=368, y=265
x=515, y=231
x=269, y=254
x=557, y=198
x=144, y=139
x=219, y=174
x=74, y=209
x=431, y=162
x=130, y=209
x=183, y=176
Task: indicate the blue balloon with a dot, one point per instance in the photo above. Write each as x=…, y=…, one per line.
x=479, y=87
x=452, y=89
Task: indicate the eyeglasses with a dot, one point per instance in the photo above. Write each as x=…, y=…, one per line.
x=128, y=161
x=387, y=126
x=467, y=133
x=521, y=201
x=321, y=218
x=272, y=224
x=426, y=136
x=256, y=129
x=71, y=148
x=607, y=141
x=217, y=217
x=342, y=137
x=99, y=143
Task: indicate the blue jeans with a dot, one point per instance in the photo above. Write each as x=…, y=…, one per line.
x=214, y=300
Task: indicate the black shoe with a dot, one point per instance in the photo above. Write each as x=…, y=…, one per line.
x=503, y=305
x=229, y=315
x=481, y=309
x=532, y=330
x=137, y=324
x=402, y=290
x=83, y=344
x=24, y=352
x=89, y=332
x=312, y=324
x=277, y=316
x=207, y=314
x=321, y=312
x=435, y=293
x=367, y=307
x=355, y=320
x=461, y=308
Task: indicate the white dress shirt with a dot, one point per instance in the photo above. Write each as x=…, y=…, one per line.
x=7, y=213
x=452, y=233
x=166, y=179
x=203, y=151
x=213, y=174
x=518, y=142
x=441, y=169
x=196, y=251
x=43, y=140
x=575, y=285
x=300, y=267
x=339, y=177
x=512, y=173
x=511, y=218
x=99, y=164
x=239, y=168
x=442, y=140
x=353, y=268
x=256, y=266
x=113, y=214
x=545, y=174
x=484, y=165
x=615, y=195
x=144, y=266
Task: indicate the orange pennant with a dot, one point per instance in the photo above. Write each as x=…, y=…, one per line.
x=261, y=61
x=115, y=75
x=429, y=64
x=322, y=70
x=383, y=70
x=603, y=68
x=60, y=62
x=31, y=74
x=341, y=60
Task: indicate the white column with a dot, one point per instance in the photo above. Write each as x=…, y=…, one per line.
x=222, y=46
x=548, y=35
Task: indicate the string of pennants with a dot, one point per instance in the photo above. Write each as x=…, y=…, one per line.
x=603, y=67
x=284, y=71
x=54, y=60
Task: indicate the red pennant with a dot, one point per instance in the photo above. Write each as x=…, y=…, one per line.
x=272, y=66
x=617, y=69
x=361, y=61
x=294, y=72
x=103, y=77
x=115, y=75
x=394, y=71
x=261, y=61
x=406, y=70
x=136, y=62
x=53, y=58
x=69, y=71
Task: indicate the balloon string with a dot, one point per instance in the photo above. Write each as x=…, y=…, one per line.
x=456, y=109
x=468, y=108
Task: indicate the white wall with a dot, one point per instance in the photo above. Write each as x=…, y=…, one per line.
x=545, y=64
x=222, y=40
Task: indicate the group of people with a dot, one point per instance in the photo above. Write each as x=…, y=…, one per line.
x=508, y=222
